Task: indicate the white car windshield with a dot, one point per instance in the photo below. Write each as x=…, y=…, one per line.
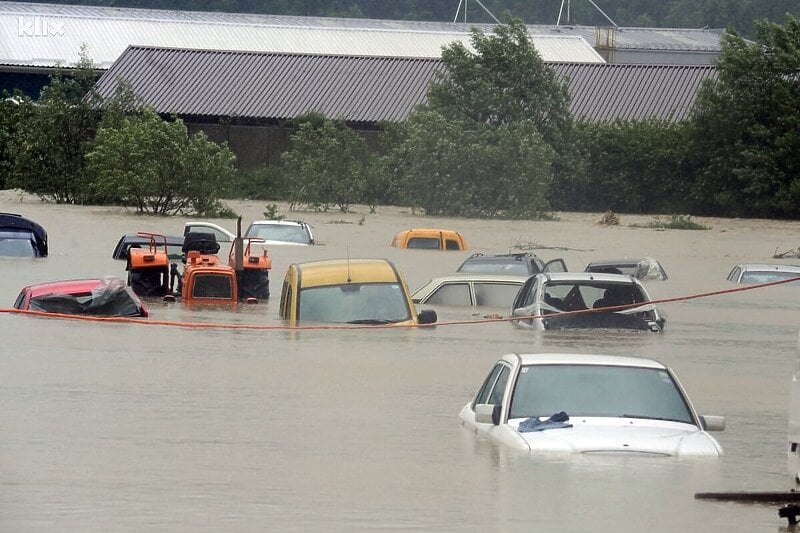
x=280, y=232
x=598, y=391
x=354, y=303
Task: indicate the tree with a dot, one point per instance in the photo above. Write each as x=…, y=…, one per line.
x=47, y=149
x=15, y=110
x=485, y=142
x=327, y=163
x=158, y=167
x=747, y=126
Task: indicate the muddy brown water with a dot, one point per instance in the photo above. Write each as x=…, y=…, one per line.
x=119, y=427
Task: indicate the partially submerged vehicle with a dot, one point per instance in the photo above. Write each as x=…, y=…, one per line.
x=585, y=300
x=173, y=243
x=645, y=268
x=470, y=290
x=205, y=278
x=97, y=297
x=521, y=264
x=589, y=404
x=281, y=232
x=762, y=273
x=349, y=291
x=21, y=237
x=199, y=226
x=430, y=239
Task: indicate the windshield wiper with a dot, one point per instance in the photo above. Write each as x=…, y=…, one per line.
x=645, y=417
x=370, y=321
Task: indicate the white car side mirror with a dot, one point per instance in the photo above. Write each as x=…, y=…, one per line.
x=713, y=423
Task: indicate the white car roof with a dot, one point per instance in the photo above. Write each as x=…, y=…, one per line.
x=477, y=276
x=583, y=359
x=589, y=276
x=278, y=222
x=765, y=266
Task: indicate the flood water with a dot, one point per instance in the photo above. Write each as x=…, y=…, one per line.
x=128, y=427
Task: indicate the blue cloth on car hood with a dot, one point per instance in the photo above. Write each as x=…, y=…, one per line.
x=557, y=421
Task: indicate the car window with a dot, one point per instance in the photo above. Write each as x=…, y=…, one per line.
x=456, y=294
x=495, y=294
x=555, y=265
x=280, y=232
x=450, y=244
x=526, y=294
x=353, y=302
x=734, y=275
x=496, y=395
x=426, y=243
x=17, y=247
x=20, y=300
x=597, y=390
x=286, y=297
x=212, y=286
x=571, y=296
x=488, y=384
x=220, y=236
x=754, y=276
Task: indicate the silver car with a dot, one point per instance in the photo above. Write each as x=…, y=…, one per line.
x=470, y=290
x=585, y=300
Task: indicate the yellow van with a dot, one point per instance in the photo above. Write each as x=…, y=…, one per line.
x=430, y=239
x=351, y=291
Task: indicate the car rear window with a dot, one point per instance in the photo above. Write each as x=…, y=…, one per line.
x=426, y=243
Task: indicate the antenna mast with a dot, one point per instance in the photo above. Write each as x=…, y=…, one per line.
x=561, y=9
x=458, y=10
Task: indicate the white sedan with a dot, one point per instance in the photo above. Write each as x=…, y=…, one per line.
x=574, y=403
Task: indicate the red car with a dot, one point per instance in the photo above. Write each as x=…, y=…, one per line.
x=100, y=297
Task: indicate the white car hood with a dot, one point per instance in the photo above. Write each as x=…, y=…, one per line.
x=623, y=436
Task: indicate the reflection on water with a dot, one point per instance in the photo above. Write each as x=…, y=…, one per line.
x=129, y=427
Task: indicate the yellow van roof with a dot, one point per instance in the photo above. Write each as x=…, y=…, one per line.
x=338, y=271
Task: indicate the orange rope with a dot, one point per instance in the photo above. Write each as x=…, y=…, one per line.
x=284, y=327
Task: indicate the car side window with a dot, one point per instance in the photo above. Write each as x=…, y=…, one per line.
x=451, y=294
x=525, y=295
x=20, y=300
x=450, y=244
x=734, y=275
x=496, y=396
x=488, y=385
x=286, y=297
x=495, y=294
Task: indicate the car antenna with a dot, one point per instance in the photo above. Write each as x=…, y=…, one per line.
x=347, y=248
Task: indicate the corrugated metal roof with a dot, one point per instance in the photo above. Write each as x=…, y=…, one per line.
x=258, y=85
x=46, y=35
x=633, y=92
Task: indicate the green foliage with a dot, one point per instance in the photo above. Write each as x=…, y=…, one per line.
x=747, y=127
x=264, y=183
x=157, y=167
x=271, y=212
x=626, y=166
x=326, y=165
x=14, y=112
x=46, y=150
x=684, y=222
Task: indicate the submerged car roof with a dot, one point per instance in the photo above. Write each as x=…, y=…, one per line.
x=589, y=276
x=584, y=359
x=18, y=222
x=73, y=286
x=765, y=266
x=339, y=271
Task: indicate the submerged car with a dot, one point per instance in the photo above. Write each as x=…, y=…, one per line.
x=589, y=404
x=98, y=296
x=352, y=291
x=220, y=233
x=21, y=237
x=281, y=232
x=522, y=264
x=173, y=244
x=470, y=290
x=645, y=268
x=585, y=300
x=762, y=273
x=430, y=239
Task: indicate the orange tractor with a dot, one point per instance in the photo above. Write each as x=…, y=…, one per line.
x=205, y=278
